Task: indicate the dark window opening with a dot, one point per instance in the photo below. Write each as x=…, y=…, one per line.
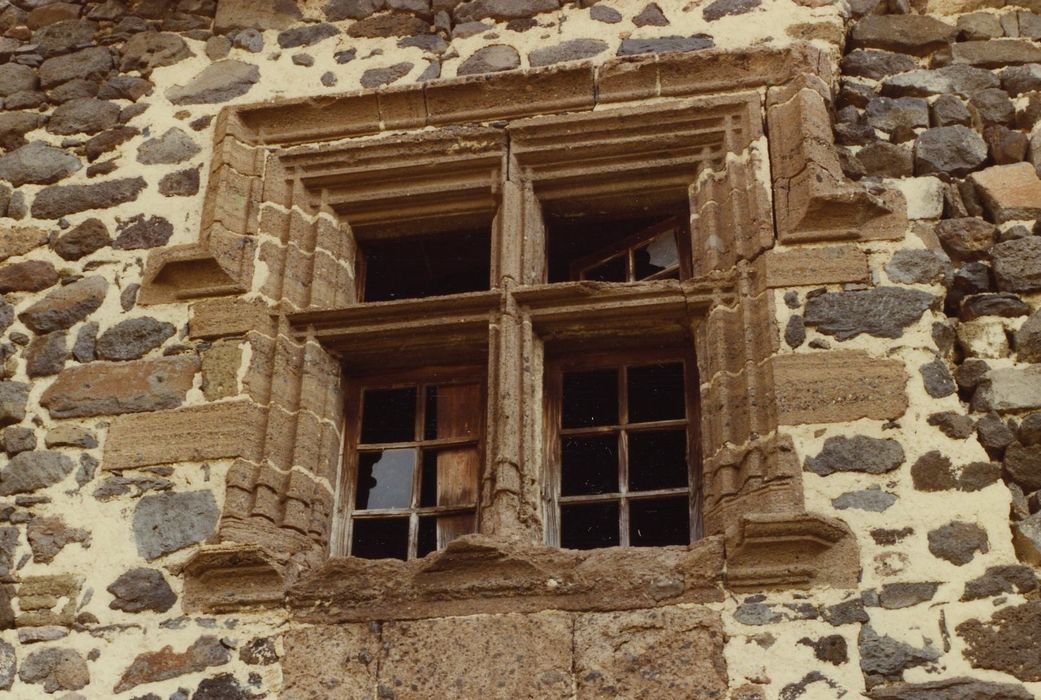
x=413, y=267
x=415, y=467
x=622, y=247
x=626, y=453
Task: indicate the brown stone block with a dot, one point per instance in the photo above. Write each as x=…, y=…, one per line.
x=232, y=201
x=195, y=434
x=666, y=653
x=799, y=267
x=296, y=515
x=274, y=222
x=39, y=598
x=838, y=386
x=318, y=659
x=313, y=119
x=241, y=157
x=273, y=255
x=1010, y=192
x=333, y=285
x=514, y=657
x=510, y=94
x=110, y=388
x=220, y=369
x=280, y=437
x=278, y=189
x=227, y=317
x=402, y=108
x=257, y=382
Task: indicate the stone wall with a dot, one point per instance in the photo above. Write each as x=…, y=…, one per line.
x=107, y=130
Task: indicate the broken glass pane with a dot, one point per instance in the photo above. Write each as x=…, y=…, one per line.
x=657, y=256
x=383, y=538
x=388, y=415
x=385, y=479
x=614, y=270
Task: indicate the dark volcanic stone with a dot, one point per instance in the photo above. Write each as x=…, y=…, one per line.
x=895, y=596
x=133, y=338
x=856, y=454
x=223, y=686
x=1007, y=642
x=890, y=114
x=917, y=267
x=1008, y=578
x=1001, y=304
x=872, y=499
x=30, y=471
x=958, y=542
x=146, y=51
x=216, y=83
x=182, y=183
x=650, y=16
x=953, y=425
x=339, y=10
x=1023, y=465
x=259, y=652
x=993, y=106
x=694, y=42
x=306, y=35
x=14, y=126
x=959, y=688
x=882, y=312
x=948, y=110
x=876, y=64
x=724, y=8
x=573, y=50
x=37, y=163
x=153, y=666
x=914, y=34
x=884, y=159
x=66, y=306
x=966, y=238
x=167, y=522
x=1006, y=145
x=881, y=655
x=46, y=354
x=62, y=37
x=15, y=78
x=141, y=589
x=139, y=232
x=85, y=116
x=125, y=87
x=376, y=77
x=490, y=59
x=605, y=14
x=57, y=201
x=1021, y=79
x=13, y=398
x=1028, y=339
x=93, y=63
x=390, y=24
x=83, y=239
x=1017, y=264
x=949, y=150
x=958, y=79
x=174, y=146
x=933, y=472
x=55, y=669
x=937, y=379
x=503, y=9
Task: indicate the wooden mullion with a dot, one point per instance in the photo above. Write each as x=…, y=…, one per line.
x=694, y=463
x=439, y=443
x=552, y=410
x=623, y=454
x=632, y=427
x=437, y=511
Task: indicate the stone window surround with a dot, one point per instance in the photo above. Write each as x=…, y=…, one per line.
x=270, y=199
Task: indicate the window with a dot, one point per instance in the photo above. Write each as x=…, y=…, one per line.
x=650, y=253
x=623, y=451
x=413, y=461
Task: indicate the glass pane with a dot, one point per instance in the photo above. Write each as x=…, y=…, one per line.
x=449, y=477
x=614, y=270
x=657, y=256
x=589, y=464
x=659, y=522
x=657, y=459
x=436, y=532
x=382, y=538
x=590, y=398
x=388, y=415
x=589, y=525
x=385, y=479
x=452, y=411
x=656, y=392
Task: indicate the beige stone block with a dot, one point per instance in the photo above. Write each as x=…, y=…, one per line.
x=1010, y=192
x=19, y=241
x=816, y=266
x=220, y=369
x=329, y=660
x=227, y=316
x=984, y=338
x=507, y=657
x=838, y=386
x=664, y=653
x=213, y=431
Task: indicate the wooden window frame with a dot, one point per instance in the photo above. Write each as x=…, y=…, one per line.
x=553, y=401
x=582, y=266
x=347, y=488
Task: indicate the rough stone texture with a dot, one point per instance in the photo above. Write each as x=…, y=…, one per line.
x=959, y=688
x=873, y=500
x=1010, y=578
x=695, y=42
x=912, y=34
x=573, y=50
x=143, y=232
x=64, y=307
x=37, y=163
x=29, y=471
x=216, y=83
x=48, y=536
x=882, y=312
x=19, y=241
x=167, y=522
x=724, y=8
x=83, y=239
x=46, y=354
x=937, y=379
x=895, y=596
x=858, y=453
x=1017, y=264
x=13, y=399
x=957, y=79
x=490, y=59
x=133, y=338
x=28, y=276
x=205, y=652
x=55, y=669
x=124, y=387
x=917, y=267
x=1005, y=642
x=1009, y=389
x=174, y=146
x=1010, y=192
x=951, y=150
x=887, y=658
x=330, y=656
x=958, y=542
x=83, y=116
x=57, y=201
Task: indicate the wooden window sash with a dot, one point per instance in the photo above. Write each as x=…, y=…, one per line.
x=627, y=246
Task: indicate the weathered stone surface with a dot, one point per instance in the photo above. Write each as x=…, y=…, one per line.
x=904, y=594
x=218, y=82
x=49, y=535
x=694, y=42
x=947, y=110
x=306, y=35
x=1009, y=389
x=953, y=425
x=86, y=338
x=917, y=267
x=182, y=183
x=1008, y=578
x=838, y=386
x=490, y=59
x=725, y=8
x=257, y=14
x=57, y=201
x=881, y=655
x=914, y=34
x=958, y=542
x=142, y=589
x=950, y=150
x=966, y=238
x=389, y=24
x=330, y=656
x=1017, y=80
x=28, y=276
x=1017, y=264
x=605, y=14
x=146, y=51
x=1006, y=642
x=933, y=472
x=140, y=232
x=259, y=652
x=1006, y=145
x=64, y=36
x=108, y=141
x=873, y=500
x=572, y=50
x=533, y=656
x=15, y=78
x=161, y=665
x=56, y=669
x=15, y=439
x=223, y=686
x=81, y=240
x=8, y=665
x=876, y=64
x=91, y=63
x=995, y=53
x=956, y=79
x=30, y=471
x=1023, y=465
x=174, y=146
x=1028, y=339
x=83, y=116
x=884, y=159
x=46, y=354
x=167, y=522
x=993, y=106
x=502, y=9
x=13, y=398
x=38, y=164
x=339, y=10
x=1010, y=192
x=959, y=688
x=66, y=306
x=67, y=435
x=376, y=77
x=19, y=241
x=882, y=312
x=672, y=652
x=937, y=379
x=892, y=114
x=857, y=454
x=133, y=338
x=124, y=387
x=1003, y=304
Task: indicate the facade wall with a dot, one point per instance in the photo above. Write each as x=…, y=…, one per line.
x=110, y=116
